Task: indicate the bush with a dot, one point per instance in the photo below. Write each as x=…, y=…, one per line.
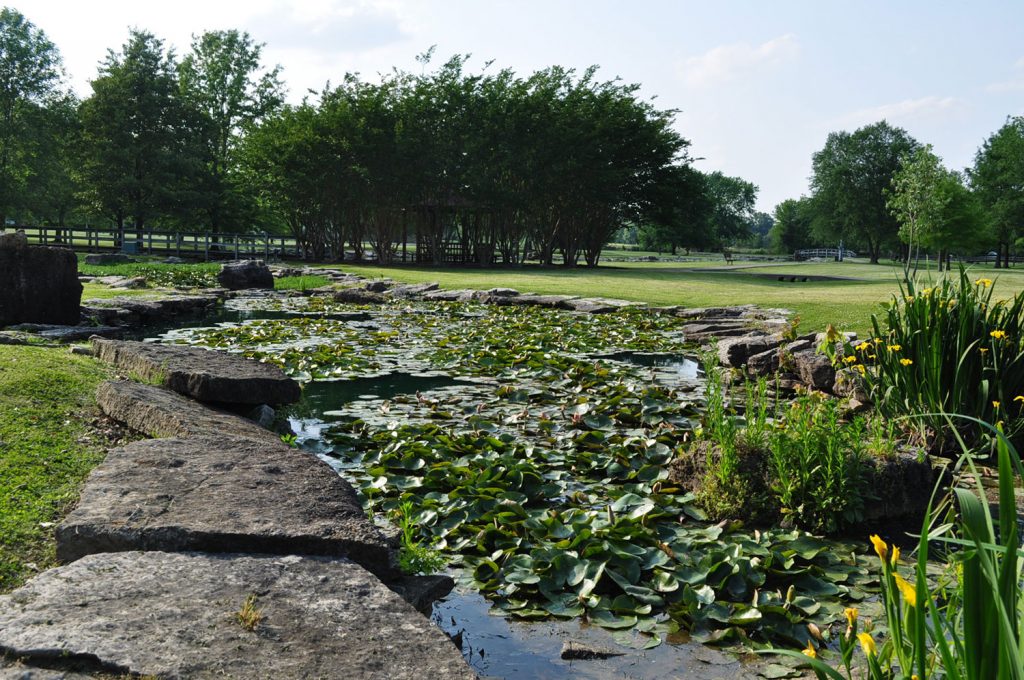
x=947, y=349
x=805, y=464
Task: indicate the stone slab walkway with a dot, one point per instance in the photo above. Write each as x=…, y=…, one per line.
x=157, y=412
x=202, y=374
x=220, y=494
x=175, y=616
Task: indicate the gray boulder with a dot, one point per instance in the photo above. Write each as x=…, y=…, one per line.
x=245, y=274
x=735, y=351
x=158, y=412
x=202, y=374
x=815, y=370
x=412, y=290
x=108, y=258
x=220, y=494
x=358, y=296
x=38, y=284
x=378, y=286
x=176, y=616
x=503, y=292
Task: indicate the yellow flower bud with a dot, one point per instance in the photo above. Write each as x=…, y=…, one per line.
x=851, y=615
x=908, y=591
x=867, y=643
x=810, y=650
x=881, y=549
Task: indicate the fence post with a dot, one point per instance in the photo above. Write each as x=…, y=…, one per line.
x=207, y=249
x=236, y=246
x=177, y=237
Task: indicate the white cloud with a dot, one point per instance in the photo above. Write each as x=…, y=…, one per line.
x=1014, y=85
x=728, y=62
x=906, y=110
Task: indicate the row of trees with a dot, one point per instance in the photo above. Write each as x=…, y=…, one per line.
x=474, y=167
x=155, y=143
x=882, y=191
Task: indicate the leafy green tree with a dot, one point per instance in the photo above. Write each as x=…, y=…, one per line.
x=791, y=230
x=30, y=77
x=138, y=140
x=223, y=80
x=935, y=210
x=732, y=202
x=681, y=213
x=998, y=179
x=851, y=175
x=53, y=188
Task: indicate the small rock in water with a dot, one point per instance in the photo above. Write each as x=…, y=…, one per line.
x=581, y=652
x=263, y=415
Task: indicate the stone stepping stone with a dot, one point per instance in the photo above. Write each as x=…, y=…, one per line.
x=158, y=412
x=220, y=494
x=176, y=616
x=202, y=374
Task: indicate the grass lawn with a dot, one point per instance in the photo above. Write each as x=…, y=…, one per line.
x=848, y=304
x=46, y=399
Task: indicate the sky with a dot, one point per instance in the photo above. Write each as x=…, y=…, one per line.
x=758, y=85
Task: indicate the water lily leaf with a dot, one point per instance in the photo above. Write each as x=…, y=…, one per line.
x=745, y=617
x=606, y=619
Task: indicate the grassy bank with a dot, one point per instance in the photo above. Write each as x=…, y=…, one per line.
x=46, y=450
x=847, y=303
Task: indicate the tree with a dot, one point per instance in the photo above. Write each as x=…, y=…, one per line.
x=934, y=208
x=850, y=177
x=732, y=201
x=138, y=140
x=30, y=76
x=681, y=213
x=223, y=80
x=998, y=179
x=792, y=228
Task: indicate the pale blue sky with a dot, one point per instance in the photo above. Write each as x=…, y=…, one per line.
x=759, y=84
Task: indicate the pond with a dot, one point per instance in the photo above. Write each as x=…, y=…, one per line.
x=531, y=447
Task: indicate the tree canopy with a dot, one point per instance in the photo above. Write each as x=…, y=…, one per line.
x=998, y=179
x=850, y=178
x=30, y=78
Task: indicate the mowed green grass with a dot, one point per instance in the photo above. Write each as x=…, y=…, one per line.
x=46, y=451
x=847, y=304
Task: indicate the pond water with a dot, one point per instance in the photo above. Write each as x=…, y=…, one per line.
x=533, y=446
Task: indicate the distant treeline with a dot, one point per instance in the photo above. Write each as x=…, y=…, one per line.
x=489, y=165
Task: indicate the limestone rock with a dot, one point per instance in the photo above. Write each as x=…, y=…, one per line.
x=412, y=290
x=764, y=363
x=263, y=415
x=133, y=283
x=245, y=274
x=220, y=494
x=815, y=370
x=378, y=286
x=158, y=412
x=358, y=296
x=174, y=616
x=422, y=591
x=38, y=284
x=203, y=374
x=503, y=292
x=14, y=241
x=108, y=258
x=736, y=351
x=589, y=306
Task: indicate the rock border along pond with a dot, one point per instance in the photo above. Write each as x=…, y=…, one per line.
x=218, y=551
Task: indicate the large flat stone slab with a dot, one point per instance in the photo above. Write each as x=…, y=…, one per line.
x=203, y=374
x=174, y=616
x=158, y=412
x=220, y=494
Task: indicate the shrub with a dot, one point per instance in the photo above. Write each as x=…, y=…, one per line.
x=947, y=349
x=804, y=464
x=968, y=624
